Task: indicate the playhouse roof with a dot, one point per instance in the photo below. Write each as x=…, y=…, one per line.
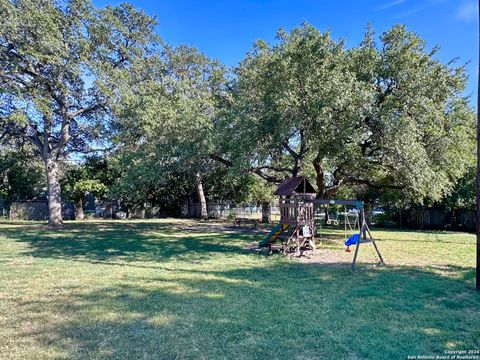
x=297, y=185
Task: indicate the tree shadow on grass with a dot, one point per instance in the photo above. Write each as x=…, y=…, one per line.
x=285, y=310
x=423, y=231
x=440, y=236
x=127, y=242
x=275, y=309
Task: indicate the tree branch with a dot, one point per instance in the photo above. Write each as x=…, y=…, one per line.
x=221, y=160
x=266, y=177
x=85, y=110
x=373, y=185
x=255, y=170
x=290, y=150
x=30, y=69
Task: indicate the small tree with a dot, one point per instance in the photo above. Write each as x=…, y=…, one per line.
x=79, y=181
x=261, y=192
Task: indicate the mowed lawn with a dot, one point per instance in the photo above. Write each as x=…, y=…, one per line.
x=178, y=289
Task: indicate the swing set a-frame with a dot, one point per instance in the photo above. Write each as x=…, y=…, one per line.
x=296, y=230
x=364, y=234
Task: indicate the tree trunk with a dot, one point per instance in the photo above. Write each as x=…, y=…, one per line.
x=53, y=191
x=201, y=197
x=79, y=214
x=137, y=211
x=368, y=206
x=320, y=177
x=191, y=210
x=266, y=212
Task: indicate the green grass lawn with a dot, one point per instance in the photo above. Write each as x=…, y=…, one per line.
x=171, y=289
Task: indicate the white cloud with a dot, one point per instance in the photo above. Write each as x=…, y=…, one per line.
x=467, y=11
x=390, y=4
x=420, y=6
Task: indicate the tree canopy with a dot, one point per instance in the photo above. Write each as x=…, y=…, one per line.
x=417, y=134
x=388, y=116
x=58, y=62
x=384, y=118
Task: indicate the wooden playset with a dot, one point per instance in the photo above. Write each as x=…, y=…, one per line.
x=297, y=228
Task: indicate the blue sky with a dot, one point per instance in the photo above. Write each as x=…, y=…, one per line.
x=225, y=30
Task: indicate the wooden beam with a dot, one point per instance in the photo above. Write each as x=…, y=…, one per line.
x=357, y=203
x=362, y=233
x=478, y=177
x=374, y=244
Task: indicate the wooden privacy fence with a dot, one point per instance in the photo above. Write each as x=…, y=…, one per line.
x=33, y=210
x=438, y=219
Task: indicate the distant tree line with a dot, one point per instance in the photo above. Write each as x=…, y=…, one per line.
x=384, y=121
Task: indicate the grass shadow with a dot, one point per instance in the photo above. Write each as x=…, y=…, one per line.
x=110, y=241
x=285, y=310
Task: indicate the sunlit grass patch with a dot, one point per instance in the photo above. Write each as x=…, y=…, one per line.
x=180, y=289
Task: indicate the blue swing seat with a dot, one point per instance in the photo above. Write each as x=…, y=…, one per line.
x=352, y=240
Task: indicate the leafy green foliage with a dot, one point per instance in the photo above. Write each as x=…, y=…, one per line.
x=387, y=118
x=166, y=128
x=22, y=177
x=60, y=65
x=418, y=133
x=57, y=64
x=463, y=195
x=375, y=121
x=92, y=177
x=288, y=100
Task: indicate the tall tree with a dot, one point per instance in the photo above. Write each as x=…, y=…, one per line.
x=169, y=118
x=416, y=133
x=57, y=65
x=199, y=87
x=379, y=117
x=287, y=100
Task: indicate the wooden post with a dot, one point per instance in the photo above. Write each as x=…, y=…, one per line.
x=375, y=245
x=362, y=235
x=478, y=177
x=267, y=212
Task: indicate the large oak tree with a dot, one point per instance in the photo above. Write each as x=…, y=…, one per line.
x=387, y=116
x=60, y=62
x=165, y=125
